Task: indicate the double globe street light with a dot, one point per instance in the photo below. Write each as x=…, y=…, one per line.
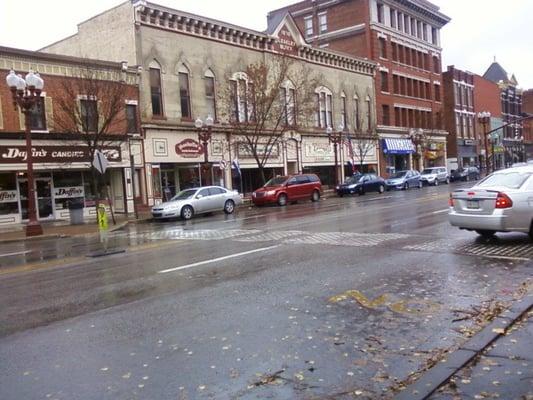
x=484, y=119
x=26, y=94
x=336, y=139
x=204, y=136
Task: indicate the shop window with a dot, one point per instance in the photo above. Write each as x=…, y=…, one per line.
x=155, y=92
x=185, y=95
x=210, y=94
x=38, y=116
x=156, y=183
x=131, y=118
x=89, y=115
x=68, y=188
x=8, y=194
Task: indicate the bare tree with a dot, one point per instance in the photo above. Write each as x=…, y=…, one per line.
x=263, y=102
x=363, y=136
x=90, y=107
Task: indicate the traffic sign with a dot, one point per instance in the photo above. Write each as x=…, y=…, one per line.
x=100, y=161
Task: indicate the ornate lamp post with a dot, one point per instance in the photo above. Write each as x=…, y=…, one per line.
x=26, y=94
x=336, y=139
x=484, y=119
x=417, y=137
x=204, y=136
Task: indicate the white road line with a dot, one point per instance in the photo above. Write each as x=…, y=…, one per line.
x=441, y=211
x=217, y=259
x=19, y=253
x=504, y=257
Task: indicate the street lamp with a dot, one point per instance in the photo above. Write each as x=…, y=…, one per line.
x=26, y=93
x=204, y=136
x=484, y=119
x=417, y=137
x=336, y=139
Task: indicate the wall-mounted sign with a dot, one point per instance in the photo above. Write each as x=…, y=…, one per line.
x=245, y=151
x=8, y=196
x=286, y=43
x=189, y=148
x=318, y=151
x=69, y=192
x=54, y=154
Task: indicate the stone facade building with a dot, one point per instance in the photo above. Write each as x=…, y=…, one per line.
x=61, y=161
x=403, y=37
x=188, y=60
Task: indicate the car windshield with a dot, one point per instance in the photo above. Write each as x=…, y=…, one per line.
x=428, y=171
x=459, y=170
x=277, y=181
x=399, y=174
x=352, y=179
x=184, y=194
x=511, y=180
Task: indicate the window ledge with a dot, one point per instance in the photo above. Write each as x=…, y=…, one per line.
x=39, y=131
x=159, y=117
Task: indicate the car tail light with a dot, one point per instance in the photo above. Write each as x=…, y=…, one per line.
x=503, y=201
x=450, y=201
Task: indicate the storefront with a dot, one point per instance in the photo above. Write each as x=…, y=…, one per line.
x=318, y=157
x=61, y=177
x=435, y=154
x=398, y=154
x=467, y=153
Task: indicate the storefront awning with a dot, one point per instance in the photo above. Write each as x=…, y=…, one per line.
x=398, y=146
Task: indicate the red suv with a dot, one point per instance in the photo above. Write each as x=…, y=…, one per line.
x=284, y=189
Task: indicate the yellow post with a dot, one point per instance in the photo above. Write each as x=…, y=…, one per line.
x=103, y=225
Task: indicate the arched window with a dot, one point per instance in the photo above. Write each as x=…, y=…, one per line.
x=210, y=100
x=344, y=119
x=242, y=95
x=369, y=113
x=288, y=103
x=357, y=114
x=185, y=94
x=324, y=110
x=155, y=88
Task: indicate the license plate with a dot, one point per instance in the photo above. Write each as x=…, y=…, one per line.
x=472, y=204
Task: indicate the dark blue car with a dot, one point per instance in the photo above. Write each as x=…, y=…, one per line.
x=361, y=184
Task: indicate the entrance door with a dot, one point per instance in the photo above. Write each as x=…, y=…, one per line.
x=43, y=197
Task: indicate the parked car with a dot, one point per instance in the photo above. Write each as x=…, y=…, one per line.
x=290, y=188
x=404, y=180
x=361, y=184
x=199, y=200
x=434, y=176
x=501, y=202
x=465, y=174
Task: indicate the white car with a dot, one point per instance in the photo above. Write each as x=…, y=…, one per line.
x=199, y=200
x=502, y=202
x=434, y=176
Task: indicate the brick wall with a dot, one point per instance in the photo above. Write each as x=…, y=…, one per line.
x=527, y=107
x=449, y=112
x=487, y=97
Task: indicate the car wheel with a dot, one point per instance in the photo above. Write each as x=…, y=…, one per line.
x=187, y=212
x=485, y=233
x=229, y=207
x=405, y=186
x=282, y=200
x=436, y=182
x=420, y=184
x=361, y=191
x=381, y=189
x=447, y=181
x=340, y=194
x=315, y=196
x=467, y=178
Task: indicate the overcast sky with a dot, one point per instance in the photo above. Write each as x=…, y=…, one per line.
x=479, y=31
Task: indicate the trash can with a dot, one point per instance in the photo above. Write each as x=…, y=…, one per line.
x=75, y=208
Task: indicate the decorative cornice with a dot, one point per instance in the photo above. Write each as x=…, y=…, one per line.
x=152, y=15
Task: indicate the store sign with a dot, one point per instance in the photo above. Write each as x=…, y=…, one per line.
x=244, y=150
x=286, y=43
x=8, y=196
x=189, y=148
x=319, y=152
x=69, y=192
x=54, y=154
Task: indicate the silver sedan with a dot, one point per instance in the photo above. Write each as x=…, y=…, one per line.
x=502, y=202
x=200, y=200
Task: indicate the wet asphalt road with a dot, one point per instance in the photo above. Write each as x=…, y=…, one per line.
x=344, y=298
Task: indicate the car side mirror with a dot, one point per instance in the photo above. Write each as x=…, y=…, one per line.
x=199, y=196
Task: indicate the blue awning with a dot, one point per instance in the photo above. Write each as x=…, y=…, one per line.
x=398, y=146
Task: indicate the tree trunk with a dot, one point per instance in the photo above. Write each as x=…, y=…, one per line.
x=262, y=171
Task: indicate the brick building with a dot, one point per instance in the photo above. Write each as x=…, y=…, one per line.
x=459, y=118
x=404, y=38
x=487, y=99
x=527, y=107
x=189, y=60
x=511, y=109
x=61, y=158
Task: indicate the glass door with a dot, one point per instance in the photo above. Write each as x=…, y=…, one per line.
x=43, y=197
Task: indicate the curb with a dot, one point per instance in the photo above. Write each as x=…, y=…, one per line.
x=34, y=238
x=435, y=377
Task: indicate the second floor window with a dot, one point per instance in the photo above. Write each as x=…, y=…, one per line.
x=382, y=48
x=384, y=81
x=89, y=115
x=323, y=23
x=38, y=116
x=131, y=118
x=324, y=116
x=308, y=22
x=344, y=120
x=155, y=92
x=242, y=100
x=210, y=96
x=288, y=99
x=185, y=96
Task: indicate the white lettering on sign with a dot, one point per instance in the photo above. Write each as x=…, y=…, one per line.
x=8, y=196
x=69, y=192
